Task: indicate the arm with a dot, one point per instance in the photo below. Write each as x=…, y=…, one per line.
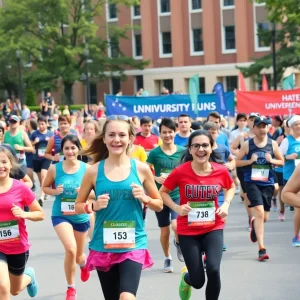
x=48, y=151
x=231, y=162
x=49, y=180
x=284, y=146
x=235, y=144
x=244, y=151
x=290, y=192
x=28, y=146
x=36, y=213
x=158, y=179
x=26, y=179
x=279, y=160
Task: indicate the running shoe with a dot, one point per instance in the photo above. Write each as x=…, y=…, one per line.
x=45, y=197
x=296, y=241
x=224, y=248
x=71, y=293
x=179, y=253
x=281, y=217
x=237, y=190
x=274, y=206
x=41, y=202
x=32, y=287
x=33, y=187
x=262, y=254
x=85, y=274
x=253, y=237
x=249, y=228
x=185, y=290
x=168, y=266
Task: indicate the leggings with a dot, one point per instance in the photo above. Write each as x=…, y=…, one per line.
x=122, y=277
x=192, y=247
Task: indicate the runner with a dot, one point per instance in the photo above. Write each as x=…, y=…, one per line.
x=261, y=153
x=90, y=130
x=54, y=143
x=14, y=244
x=163, y=160
x=200, y=221
x=71, y=229
x=145, y=138
x=290, y=149
x=118, y=249
x=215, y=117
x=184, y=127
x=39, y=140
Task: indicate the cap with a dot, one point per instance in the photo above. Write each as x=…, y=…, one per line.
x=278, y=118
x=260, y=120
x=14, y=118
x=253, y=114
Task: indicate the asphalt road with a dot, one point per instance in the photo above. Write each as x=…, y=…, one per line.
x=243, y=277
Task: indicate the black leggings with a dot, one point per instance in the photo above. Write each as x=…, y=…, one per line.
x=123, y=277
x=192, y=247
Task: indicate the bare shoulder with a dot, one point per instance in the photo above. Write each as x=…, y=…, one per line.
x=142, y=167
x=92, y=170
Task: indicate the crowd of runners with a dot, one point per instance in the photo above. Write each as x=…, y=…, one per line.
x=106, y=172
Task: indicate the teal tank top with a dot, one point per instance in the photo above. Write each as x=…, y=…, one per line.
x=64, y=204
x=119, y=227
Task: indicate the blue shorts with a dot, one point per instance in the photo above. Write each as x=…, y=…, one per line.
x=221, y=200
x=80, y=227
x=167, y=215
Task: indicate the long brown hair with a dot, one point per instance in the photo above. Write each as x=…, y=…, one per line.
x=97, y=149
x=15, y=167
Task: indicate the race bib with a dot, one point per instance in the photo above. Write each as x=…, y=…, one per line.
x=165, y=172
x=119, y=234
x=20, y=155
x=297, y=161
x=41, y=151
x=202, y=213
x=68, y=206
x=9, y=231
x=61, y=156
x=260, y=172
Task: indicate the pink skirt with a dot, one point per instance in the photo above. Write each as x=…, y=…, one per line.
x=104, y=261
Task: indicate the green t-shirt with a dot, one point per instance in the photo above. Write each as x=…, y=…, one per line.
x=164, y=164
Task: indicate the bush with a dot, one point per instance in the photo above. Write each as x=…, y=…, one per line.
x=30, y=97
x=61, y=107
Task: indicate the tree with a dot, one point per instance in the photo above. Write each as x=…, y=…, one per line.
x=54, y=35
x=286, y=16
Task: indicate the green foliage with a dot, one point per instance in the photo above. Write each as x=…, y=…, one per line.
x=61, y=107
x=286, y=16
x=30, y=97
x=53, y=35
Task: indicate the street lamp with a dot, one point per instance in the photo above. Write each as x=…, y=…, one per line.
x=18, y=54
x=87, y=83
x=274, y=56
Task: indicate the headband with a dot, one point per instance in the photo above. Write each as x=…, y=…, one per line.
x=293, y=120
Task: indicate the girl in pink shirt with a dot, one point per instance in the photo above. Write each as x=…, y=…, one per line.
x=14, y=245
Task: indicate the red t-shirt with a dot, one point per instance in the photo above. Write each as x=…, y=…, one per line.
x=148, y=143
x=195, y=188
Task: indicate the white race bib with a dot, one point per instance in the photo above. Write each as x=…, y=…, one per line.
x=119, y=234
x=165, y=172
x=68, y=206
x=260, y=172
x=202, y=213
x=9, y=231
x=297, y=161
x=41, y=151
x=20, y=155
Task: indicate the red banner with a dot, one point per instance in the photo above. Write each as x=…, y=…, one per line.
x=269, y=103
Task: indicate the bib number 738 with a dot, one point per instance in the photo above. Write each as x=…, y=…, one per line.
x=202, y=213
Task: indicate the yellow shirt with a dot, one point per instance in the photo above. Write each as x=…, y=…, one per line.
x=83, y=143
x=139, y=153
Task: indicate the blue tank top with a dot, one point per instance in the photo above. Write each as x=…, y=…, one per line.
x=122, y=207
x=289, y=165
x=261, y=161
x=64, y=203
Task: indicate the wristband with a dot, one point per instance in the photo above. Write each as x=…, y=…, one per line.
x=86, y=208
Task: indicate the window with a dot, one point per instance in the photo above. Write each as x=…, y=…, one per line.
x=139, y=81
x=165, y=6
x=229, y=37
x=231, y=83
x=202, y=85
x=138, y=44
x=262, y=29
x=197, y=40
x=137, y=11
x=166, y=42
x=112, y=11
x=168, y=84
x=115, y=85
x=196, y=4
x=228, y=2
x=114, y=47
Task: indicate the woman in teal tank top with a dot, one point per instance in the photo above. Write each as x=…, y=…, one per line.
x=118, y=249
x=71, y=228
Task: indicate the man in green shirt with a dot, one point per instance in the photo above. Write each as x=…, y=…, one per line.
x=163, y=159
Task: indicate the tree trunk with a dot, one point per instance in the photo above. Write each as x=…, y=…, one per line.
x=68, y=97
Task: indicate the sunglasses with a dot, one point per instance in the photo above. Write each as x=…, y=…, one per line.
x=118, y=117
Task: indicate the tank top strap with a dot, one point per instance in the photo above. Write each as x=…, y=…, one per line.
x=59, y=169
x=100, y=170
x=134, y=170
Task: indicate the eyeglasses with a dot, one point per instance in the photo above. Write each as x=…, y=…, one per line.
x=118, y=117
x=197, y=146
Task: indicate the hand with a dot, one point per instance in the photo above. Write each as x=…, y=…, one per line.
x=222, y=211
x=18, y=147
x=228, y=166
x=183, y=210
x=56, y=157
x=268, y=157
x=160, y=179
x=33, y=151
x=254, y=157
x=59, y=189
x=18, y=212
x=292, y=156
x=139, y=193
x=101, y=202
x=36, y=140
x=77, y=190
